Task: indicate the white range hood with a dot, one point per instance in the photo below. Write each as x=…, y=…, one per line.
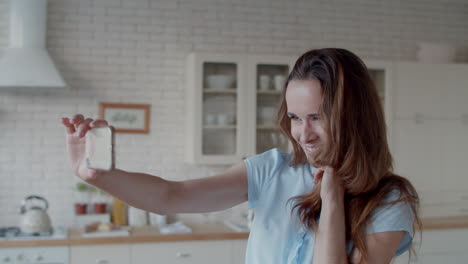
x=26, y=62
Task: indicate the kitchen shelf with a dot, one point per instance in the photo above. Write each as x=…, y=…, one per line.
x=219, y=127
x=220, y=91
x=259, y=92
x=267, y=127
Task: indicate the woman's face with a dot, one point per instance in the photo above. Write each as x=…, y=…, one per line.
x=303, y=99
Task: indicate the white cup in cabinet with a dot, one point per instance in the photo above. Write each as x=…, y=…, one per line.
x=264, y=82
x=278, y=82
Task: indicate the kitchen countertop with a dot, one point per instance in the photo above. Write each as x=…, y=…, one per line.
x=212, y=231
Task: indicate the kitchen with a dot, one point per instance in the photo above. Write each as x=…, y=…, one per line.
x=138, y=52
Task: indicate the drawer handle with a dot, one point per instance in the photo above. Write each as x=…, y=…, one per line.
x=102, y=261
x=183, y=254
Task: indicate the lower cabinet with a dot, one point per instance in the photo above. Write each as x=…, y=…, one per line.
x=238, y=251
x=193, y=252
x=100, y=254
x=200, y=252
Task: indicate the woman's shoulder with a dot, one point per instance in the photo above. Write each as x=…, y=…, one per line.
x=273, y=156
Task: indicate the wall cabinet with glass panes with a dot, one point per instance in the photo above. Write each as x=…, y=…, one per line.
x=232, y=104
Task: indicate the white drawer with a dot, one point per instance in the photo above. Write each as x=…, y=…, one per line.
x=200, y=252
x=100, y=254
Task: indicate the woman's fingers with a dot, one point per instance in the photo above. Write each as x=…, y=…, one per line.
x=78, y=124
x=84, y=127
x=318, y=174
x=70, y=128
x=77, y=119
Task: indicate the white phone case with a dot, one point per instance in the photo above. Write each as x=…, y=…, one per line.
x=100, y=148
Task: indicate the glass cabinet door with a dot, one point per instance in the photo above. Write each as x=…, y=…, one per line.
x=219, y=108
x=270, y=79
x=378, y=76
x=215, y=99
x=381, y=75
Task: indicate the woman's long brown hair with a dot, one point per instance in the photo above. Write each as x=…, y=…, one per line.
x=358, y=150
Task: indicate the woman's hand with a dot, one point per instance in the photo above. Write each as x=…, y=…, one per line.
x=76, y=129
x=331, y=185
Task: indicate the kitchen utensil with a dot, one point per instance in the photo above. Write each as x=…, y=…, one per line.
x=219, y=81
x=119, y=214
x=157, y=220
x=266, y=115
x=279, y=81
x=264, y=82
x=137, y=217
x=223, y=119
x=35, y=218
x=210, y=119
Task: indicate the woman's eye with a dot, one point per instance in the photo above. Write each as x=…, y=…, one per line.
x=294, y=118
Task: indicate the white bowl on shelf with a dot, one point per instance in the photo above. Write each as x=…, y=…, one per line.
x=219, y=81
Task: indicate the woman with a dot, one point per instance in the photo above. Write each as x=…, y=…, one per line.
x=334, y=199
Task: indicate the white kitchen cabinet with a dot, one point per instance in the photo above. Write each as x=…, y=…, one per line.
x=454, y=91
x=430, y=128
x=431, y=91
x=417, y=154
x=432, y=155
x=454, y=155
x=239, y=248
x=100, y=254
x=200, y=252
x=266, y=78
x=382, y=73
x=418, y=90
x=439, y=246
x=232, y=103
x=231, y=112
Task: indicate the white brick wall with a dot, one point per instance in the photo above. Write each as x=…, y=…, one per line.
x=134, y=51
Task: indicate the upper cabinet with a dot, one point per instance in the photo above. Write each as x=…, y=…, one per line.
x=382, y=74
x=233, y=100
x=431, y=91
x=266, y=79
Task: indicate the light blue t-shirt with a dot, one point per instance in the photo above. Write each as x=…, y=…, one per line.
x=276, y=236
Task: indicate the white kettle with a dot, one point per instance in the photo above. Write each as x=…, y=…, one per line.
x=35, y=218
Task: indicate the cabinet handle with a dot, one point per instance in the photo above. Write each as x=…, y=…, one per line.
x=183, y=254
x=102, y=261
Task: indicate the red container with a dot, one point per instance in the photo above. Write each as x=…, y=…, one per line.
x=80, y=208
x=100, y=208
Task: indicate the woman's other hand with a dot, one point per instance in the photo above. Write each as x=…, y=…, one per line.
x=331, y=185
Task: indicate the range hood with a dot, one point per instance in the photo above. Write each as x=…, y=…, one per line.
x=26, y=62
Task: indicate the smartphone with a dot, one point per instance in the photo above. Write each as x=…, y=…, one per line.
x=100, y=148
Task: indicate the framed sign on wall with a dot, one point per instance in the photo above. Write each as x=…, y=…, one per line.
x=126, y=118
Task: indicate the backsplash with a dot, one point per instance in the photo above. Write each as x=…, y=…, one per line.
x=135, y=51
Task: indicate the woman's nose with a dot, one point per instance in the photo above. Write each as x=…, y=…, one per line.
x=308, y=132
